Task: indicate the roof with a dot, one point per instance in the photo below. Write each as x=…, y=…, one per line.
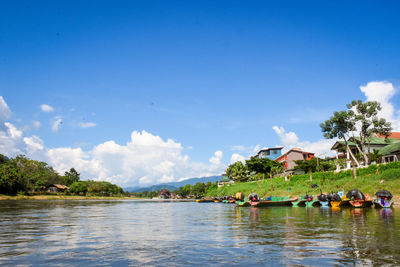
x=379, y=140
x=59, y=186
x=395, y=135
x=373, y=141
x=387, y=150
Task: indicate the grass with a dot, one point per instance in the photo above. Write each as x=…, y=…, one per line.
x=369, y=181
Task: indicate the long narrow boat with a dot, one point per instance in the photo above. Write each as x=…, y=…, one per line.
x=313, y=203
x=300, y=202
x=358, y=199
x=338, y=199
x=271, y=203
x=203, y=200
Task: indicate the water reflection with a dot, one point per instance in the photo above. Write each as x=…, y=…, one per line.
x=136, y=233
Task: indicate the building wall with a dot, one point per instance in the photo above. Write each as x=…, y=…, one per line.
x=291, y=157
x=273, y=154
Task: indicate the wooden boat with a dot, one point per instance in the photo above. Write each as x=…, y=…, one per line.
x=358, y=200
x=300, y=202
x=275, y=201
x=384, y=199
x=337, y=200
x=204, y=200
x=217, y=201
x=313, y=203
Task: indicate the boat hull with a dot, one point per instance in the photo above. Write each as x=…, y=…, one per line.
x=204, y=200
x=271, y=203
x=383, y=204
x=313, y=203
x=299, y=203
x=243, y=203
x=361, y=203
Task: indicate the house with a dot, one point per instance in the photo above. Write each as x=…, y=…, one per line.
x=225, y=180
x=164, y=193
x=56, y=188
x=270, y=153
x=288, y=159
x=375, y=142
x=390, y=153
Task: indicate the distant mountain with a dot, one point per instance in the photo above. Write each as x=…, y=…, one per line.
x=174, y=185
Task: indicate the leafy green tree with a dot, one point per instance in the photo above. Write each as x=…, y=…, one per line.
x=340, y=125
x=263, y=165
x=78, y=187
x=237, y=171
x=11, y=179
x=198, y=189
x=364, y=116
x=185, y=190
x=71, y=177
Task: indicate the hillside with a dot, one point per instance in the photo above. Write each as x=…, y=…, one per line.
x=369, y=180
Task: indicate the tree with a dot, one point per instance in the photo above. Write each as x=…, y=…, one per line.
x=237, y=171
x=364, y=117
x=198, y=189
x=340, y=125
x=262, y=165
x=71, y=177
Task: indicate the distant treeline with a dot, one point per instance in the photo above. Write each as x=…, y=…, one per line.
x=187, y=191
x=21, y=175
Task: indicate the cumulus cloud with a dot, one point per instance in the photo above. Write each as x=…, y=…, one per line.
x=57, y=121
x=87, y=124
x=146, y=159
x=382, y=92
x=237, y=157
x=13, y=131
x=290, y=140
x=5, y=112
x=46, y=108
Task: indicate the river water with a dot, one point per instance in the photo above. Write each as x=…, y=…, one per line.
x=132, y=233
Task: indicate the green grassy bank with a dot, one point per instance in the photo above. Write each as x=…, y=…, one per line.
x=369, y=180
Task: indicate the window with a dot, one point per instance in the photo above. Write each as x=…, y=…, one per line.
x=275, y=152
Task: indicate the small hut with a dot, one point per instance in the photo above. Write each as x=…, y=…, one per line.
x=164, y=193
x=56, y=188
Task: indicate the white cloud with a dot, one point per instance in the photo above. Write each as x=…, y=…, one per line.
x=56, y=123
x=46, y=108
x=237, y=157
x=13, y=131
x=5, y=112
x=382, y=92
x=87, y=124
x=33, y=144
x=290, y=140
x=146, y=159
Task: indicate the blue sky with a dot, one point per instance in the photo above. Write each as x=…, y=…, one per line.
x=209, y=75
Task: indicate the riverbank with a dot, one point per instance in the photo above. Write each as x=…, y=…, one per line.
x=61, y=197
x=369, y=181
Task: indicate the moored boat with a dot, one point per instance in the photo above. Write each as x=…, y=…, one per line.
x=274, y=201
x=243, y=203
x=323, y=200
x=203, y=200
x=338, y=200
x=300, y=202
x=358, y=200
x=383, y=199
x=311, y=202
